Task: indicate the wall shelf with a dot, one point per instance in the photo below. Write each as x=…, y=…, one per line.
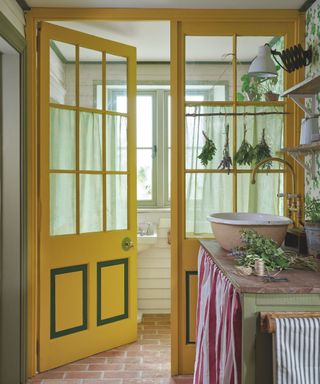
x=306, y=89
x=299, y=153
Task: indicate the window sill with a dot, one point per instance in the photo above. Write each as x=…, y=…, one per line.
x=153, y=210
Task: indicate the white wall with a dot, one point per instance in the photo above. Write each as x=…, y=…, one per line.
x=154, y=265
x=13, y=13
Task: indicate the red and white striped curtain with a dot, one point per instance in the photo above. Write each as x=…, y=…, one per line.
x=218, y=348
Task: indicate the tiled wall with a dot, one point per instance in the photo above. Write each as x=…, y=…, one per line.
x=312, y=186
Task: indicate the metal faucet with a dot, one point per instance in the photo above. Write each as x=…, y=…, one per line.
x=293, y=199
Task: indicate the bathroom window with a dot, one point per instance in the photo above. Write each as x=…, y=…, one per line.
x=154, y=133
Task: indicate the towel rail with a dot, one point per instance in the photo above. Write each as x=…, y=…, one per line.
x=268, y=323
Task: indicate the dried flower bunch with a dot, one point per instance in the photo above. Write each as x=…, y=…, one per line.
x=263, y=151
x=245, y=154
x=226, y=162
x=208, y=150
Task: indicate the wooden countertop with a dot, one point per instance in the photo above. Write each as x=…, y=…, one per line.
x=298, y=281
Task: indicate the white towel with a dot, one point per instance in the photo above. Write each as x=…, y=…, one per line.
x=297, y=351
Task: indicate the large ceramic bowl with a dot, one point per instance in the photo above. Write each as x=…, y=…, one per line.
x=226, y=227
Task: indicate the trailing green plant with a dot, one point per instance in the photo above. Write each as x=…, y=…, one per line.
x=256, y=246
x=208, y=150
x=263, y=151
x=250, y=88
x=312, y=209
x=226, y=162
x=268, y=84
x=245, y=154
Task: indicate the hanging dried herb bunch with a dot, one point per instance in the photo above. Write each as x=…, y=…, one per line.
x=226, y=161
x=208, y=150
x=245, y=154
x=263, y=151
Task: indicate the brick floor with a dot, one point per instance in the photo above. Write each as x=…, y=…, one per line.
x=145, y=361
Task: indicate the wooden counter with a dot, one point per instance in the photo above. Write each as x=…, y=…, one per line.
x=300, y=293
x=298, y=281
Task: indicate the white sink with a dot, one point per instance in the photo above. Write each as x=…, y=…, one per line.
x=146, y=241
x=226, y=227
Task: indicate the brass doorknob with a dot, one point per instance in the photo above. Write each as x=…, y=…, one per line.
x=127, y=243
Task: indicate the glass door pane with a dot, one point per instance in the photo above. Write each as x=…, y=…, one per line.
x=209, y=66
x=62, y=139
x=116, y=78
x=90, y=141
x=117, y=202
x=250, y=88
x=90, y=68
x=62, y=73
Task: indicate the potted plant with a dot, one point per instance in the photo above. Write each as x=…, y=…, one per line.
x=267, y=87
x=312, y=225
x=250, y=88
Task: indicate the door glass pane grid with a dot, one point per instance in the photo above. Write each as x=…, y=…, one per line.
x=240, y=175
x=85, y=160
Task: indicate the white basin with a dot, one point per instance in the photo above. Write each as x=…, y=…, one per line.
x=146, y=241
x=226, y=227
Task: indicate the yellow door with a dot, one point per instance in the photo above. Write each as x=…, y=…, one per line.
x=87, y=280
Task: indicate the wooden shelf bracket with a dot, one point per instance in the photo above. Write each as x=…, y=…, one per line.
x=299, y=154
x=307, y=89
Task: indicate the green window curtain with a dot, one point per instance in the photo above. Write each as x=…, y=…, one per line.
x=207, y=193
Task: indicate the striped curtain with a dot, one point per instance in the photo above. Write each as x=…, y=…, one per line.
x=218, y=346
x=297, y=351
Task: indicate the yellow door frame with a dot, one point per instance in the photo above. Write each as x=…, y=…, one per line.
x=292, y=21
x=188, y=247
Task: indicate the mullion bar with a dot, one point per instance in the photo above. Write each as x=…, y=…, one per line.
x=77, y=139
x=104, y=145
x=89, y=172
x=207, y=103
x=248, y=103
x=248, y=171
x=88, y=109
x=234, y=122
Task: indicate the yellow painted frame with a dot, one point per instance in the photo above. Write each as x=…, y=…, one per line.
x=290, y=19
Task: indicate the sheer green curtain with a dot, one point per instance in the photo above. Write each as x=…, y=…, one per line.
x=63, y=185
x=213, y=192
x=117, y=189
x=90, y=132
x=261, y=197
x=205, y=192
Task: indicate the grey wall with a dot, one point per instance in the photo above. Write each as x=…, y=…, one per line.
x=10, y=246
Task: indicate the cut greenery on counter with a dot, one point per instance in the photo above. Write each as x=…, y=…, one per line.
x=257, y=247
x=260, y=247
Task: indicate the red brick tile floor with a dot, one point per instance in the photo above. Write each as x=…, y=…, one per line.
x=145, y=361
